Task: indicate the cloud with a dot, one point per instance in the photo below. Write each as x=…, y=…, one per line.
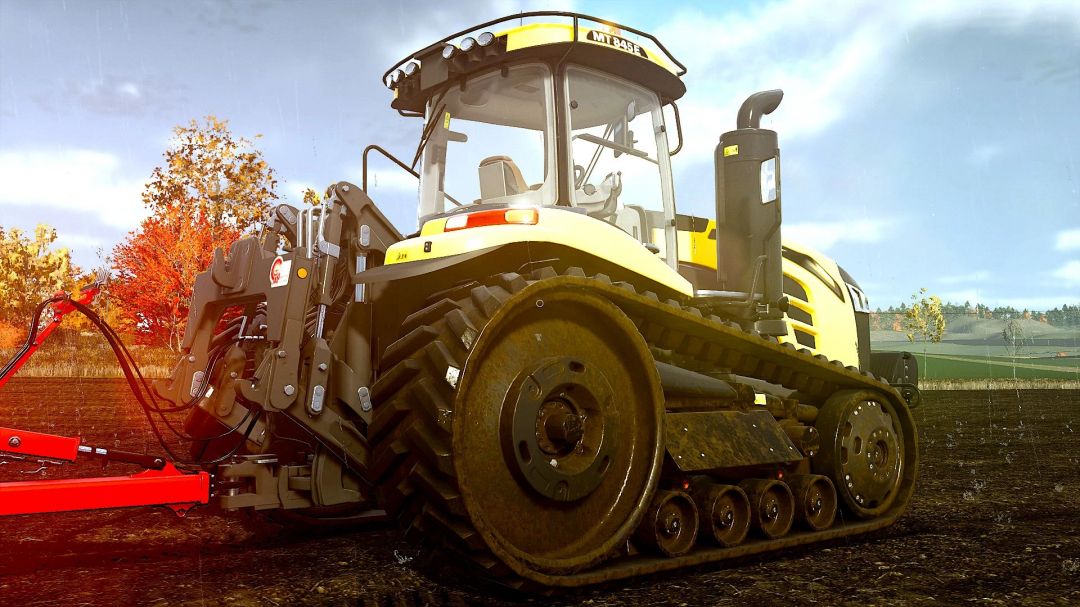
x=111, y=95
x=823, y=235
x=980, y=276
x=242, y=18
x=1069, y=273
x=982, y=154
x=293, y=191
x=82, y=244
x=826, y=61
x=78, y=180
x=394, y=180
x=1068, y=240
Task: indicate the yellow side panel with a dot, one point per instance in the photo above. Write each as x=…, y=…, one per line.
x=537, y=34
x=834, y=319
x=573, y=230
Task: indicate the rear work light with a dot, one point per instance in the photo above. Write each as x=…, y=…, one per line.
x=498, y=217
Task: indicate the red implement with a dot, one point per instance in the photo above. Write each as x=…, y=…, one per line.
x=168, y=487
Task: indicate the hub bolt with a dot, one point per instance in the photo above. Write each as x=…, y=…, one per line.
x=564, y=427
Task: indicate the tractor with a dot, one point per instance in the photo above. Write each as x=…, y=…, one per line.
x=557, y=378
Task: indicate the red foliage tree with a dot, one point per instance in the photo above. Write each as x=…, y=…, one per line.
x=212, y=190
x=156, y=268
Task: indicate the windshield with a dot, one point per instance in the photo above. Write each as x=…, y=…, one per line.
x=619, y=156
x=488, y=142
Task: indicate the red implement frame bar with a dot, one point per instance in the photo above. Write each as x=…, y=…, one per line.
x=168, y=487
x=59, y=309
x=33, y=444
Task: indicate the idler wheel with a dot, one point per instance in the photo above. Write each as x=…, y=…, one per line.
x=772, y=507
x=815, y=500
x=861, y=450
x=670, y=524
x=724, y=513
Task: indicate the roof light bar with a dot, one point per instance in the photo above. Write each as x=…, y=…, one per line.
x=467, y=44
x=396, y=78
x=485, y=39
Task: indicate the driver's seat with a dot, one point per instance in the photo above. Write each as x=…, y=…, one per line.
x=499, y=177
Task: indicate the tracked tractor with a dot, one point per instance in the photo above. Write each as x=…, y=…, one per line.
x=557, y=376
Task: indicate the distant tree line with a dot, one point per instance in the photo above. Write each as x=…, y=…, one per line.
x=1065, y=316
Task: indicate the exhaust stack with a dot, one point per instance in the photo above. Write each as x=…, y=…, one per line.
x=748, y=212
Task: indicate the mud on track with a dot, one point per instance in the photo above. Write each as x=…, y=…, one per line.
x=995, y=519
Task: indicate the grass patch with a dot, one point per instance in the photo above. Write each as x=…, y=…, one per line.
x=70, y=354
x=932, y=366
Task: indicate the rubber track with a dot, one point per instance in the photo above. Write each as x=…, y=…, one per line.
x=410, y=433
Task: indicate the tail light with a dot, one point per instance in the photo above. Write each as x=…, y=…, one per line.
x=497, y=217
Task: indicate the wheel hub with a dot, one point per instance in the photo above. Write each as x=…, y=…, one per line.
x=559, y=428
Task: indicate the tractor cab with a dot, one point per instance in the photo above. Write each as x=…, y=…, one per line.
x=563, y=114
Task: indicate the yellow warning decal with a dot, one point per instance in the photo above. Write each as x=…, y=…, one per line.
x=446, y=121
x=731, y=150
x=759, y=399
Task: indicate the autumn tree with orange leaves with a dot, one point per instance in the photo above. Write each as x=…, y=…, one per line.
x=212, y=190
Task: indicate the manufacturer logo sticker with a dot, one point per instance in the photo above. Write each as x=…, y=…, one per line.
x=279, y=272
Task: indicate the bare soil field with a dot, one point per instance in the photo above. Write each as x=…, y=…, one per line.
x=995, y=520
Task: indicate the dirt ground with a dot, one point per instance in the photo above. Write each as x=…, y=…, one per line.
x=995, y=519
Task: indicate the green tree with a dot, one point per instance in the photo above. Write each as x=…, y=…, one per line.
x=209, y=173
x=923, y=319
x=1014, y=334
x=30, y=272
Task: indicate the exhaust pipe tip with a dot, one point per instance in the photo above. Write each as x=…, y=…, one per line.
x=756, y=106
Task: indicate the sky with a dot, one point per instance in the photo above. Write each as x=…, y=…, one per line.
x=925, y=144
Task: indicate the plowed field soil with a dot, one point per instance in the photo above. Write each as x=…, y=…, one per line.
x=995, y=519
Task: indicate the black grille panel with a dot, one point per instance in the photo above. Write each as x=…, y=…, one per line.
x=805, y=339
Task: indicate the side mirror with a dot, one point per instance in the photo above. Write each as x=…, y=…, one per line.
x=620, y=135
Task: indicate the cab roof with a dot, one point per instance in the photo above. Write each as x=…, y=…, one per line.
x=563, y=36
